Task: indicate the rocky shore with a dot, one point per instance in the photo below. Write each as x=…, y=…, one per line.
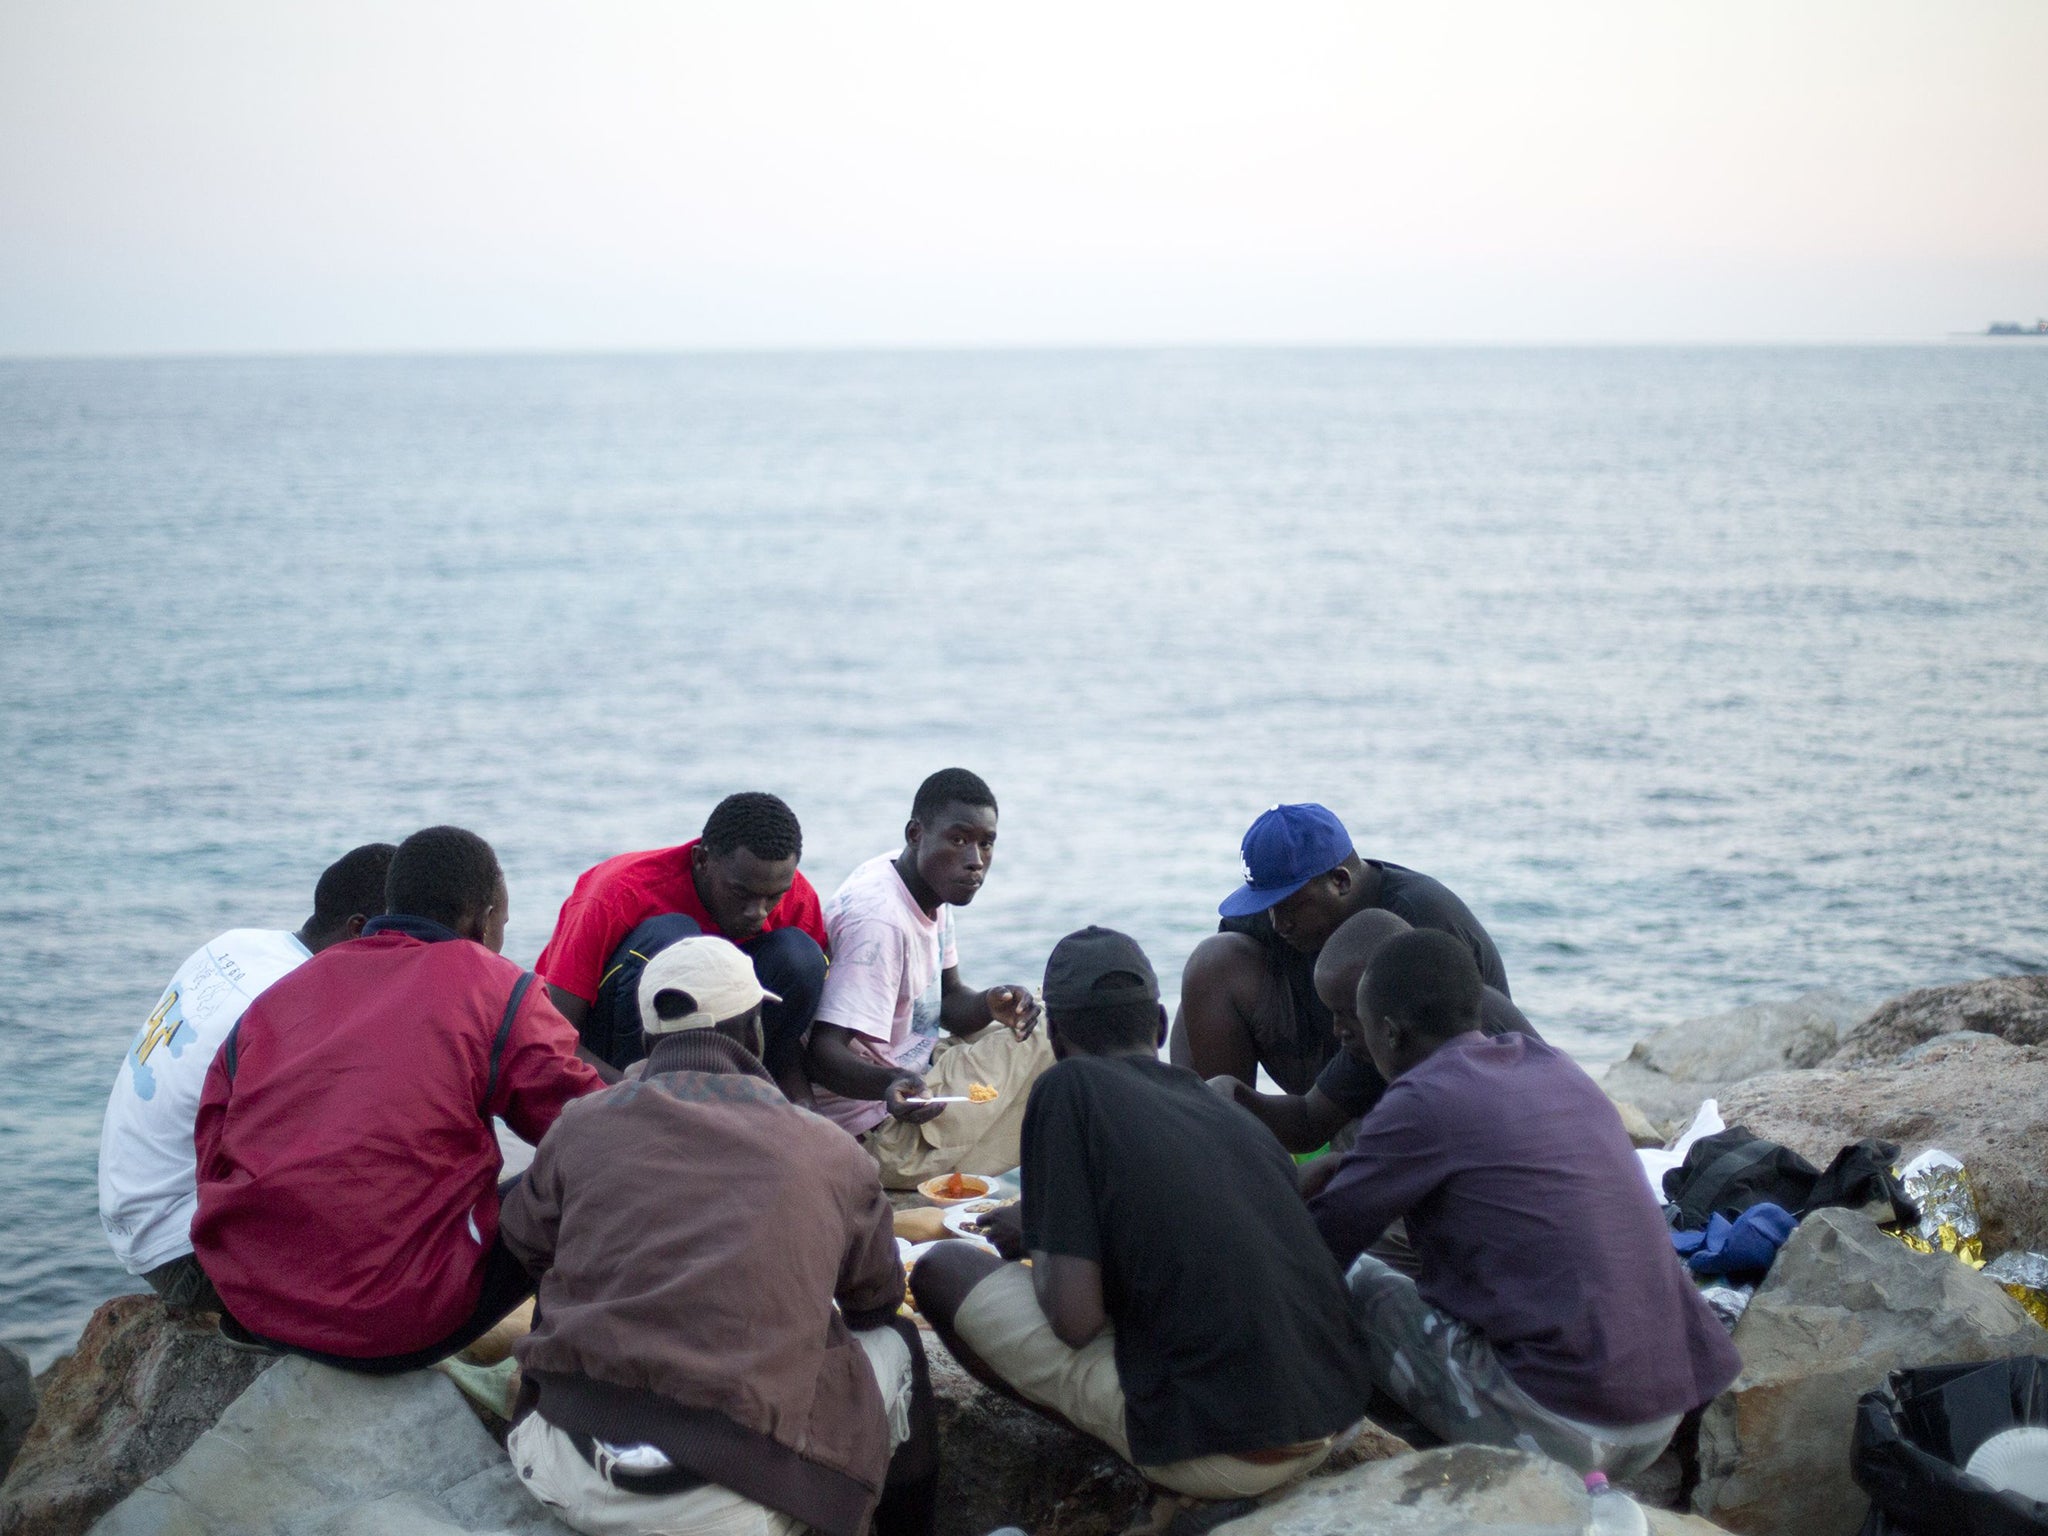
x=154, y=1424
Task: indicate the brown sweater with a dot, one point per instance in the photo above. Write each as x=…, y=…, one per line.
x=691, y=1230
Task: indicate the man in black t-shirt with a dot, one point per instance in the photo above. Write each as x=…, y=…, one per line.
x=1248, y=996
x=1178, y=1306
x=1349, y=1083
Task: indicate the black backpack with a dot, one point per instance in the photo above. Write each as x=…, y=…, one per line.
x=1729, y=1172
x=612, y=1032
x=1735, y=1169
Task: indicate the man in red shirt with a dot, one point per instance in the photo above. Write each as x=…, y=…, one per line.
x=737, y=881
x=348, y=1172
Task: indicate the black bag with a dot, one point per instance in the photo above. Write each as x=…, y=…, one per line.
x=1734, y=1169
x=1914, y=1435
x=612, y=1031
x=1729, y=1172
x=1860, y=1175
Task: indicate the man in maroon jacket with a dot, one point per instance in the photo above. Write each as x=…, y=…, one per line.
x=348, y=1172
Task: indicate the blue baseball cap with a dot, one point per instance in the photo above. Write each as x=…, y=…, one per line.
x=1285, y=849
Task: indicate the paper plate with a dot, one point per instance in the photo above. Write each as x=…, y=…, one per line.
x=960, y=1218
x=2014, y=1461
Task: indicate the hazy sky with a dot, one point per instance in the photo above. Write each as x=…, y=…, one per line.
x=200, y=175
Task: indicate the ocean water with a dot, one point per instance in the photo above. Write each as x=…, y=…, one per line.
x=1704, y=676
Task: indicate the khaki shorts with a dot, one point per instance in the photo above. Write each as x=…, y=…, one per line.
x=1001, y=1322
x=967, y=1138
x=579, y=1495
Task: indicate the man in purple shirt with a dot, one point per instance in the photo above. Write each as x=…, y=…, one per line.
x=1549, y=1311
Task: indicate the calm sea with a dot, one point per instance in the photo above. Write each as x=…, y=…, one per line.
x=1704, y=676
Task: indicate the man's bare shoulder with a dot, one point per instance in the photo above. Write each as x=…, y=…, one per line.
x=1223, y=960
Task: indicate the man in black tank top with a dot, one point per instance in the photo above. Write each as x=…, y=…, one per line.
x=1248, y=996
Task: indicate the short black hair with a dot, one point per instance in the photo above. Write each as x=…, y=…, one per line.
x=756, y=821
x=444, y=874
x=352, y=886
x=1110, y=1027
x=1356, y=940
x=949, y=786
x=1428, y=980
x=673, y=1003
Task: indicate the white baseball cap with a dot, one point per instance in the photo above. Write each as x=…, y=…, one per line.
x=718, y=977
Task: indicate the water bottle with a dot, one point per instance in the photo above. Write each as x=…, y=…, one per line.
x=1610, y=1512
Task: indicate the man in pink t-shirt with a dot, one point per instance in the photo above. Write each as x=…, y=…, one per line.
x=896, y=1024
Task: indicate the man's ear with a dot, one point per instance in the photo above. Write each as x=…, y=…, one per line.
x=1340, y=880
x=1161, y=1040
x=913, y=829
x=354, y=925
x=478, y=923
x=1400, y=1034
x=1052, y=1035
x=699, y=857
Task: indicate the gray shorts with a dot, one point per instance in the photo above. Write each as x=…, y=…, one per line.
x=1449, y=1378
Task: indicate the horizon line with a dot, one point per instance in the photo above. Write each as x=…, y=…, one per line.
x=816, y=349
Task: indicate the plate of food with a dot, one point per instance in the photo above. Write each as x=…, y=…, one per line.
x=977, y=1093
x=965, y=1220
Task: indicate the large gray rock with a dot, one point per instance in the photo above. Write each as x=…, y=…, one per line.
x=17, y=1403
x=1970, y=1094
x=142, y=1385
x=1845, y=1305
x=312, y=1451
x=1667, y=1074
x=2014, y=1008
x=1460, y=1490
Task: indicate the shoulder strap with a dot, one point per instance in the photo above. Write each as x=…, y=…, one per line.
x=504, y=1033
x=229, y=1057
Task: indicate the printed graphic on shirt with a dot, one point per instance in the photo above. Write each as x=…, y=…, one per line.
x=146, y=1176
x=924, y=1012
x=166, y=1027
x=885, y=984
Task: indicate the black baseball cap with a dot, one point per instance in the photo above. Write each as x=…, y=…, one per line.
x=1081, y=959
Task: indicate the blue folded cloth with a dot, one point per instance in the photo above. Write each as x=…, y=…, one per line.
x=1747, y=1243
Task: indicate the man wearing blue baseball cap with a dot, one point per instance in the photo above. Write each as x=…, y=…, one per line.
x=1248, y=995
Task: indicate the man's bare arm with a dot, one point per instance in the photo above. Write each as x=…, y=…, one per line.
x=1300, y=1122
x=1219, y=995
x=1069, y=1292
x=571, y=1007
x=965, y=1011
x=577, y=1011
x=962, y=1010
x=835, y=1063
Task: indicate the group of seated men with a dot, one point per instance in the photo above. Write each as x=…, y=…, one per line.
x=722, y=1078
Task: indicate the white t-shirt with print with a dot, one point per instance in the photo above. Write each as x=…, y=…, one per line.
x=883, y=983
x=148, y=1169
